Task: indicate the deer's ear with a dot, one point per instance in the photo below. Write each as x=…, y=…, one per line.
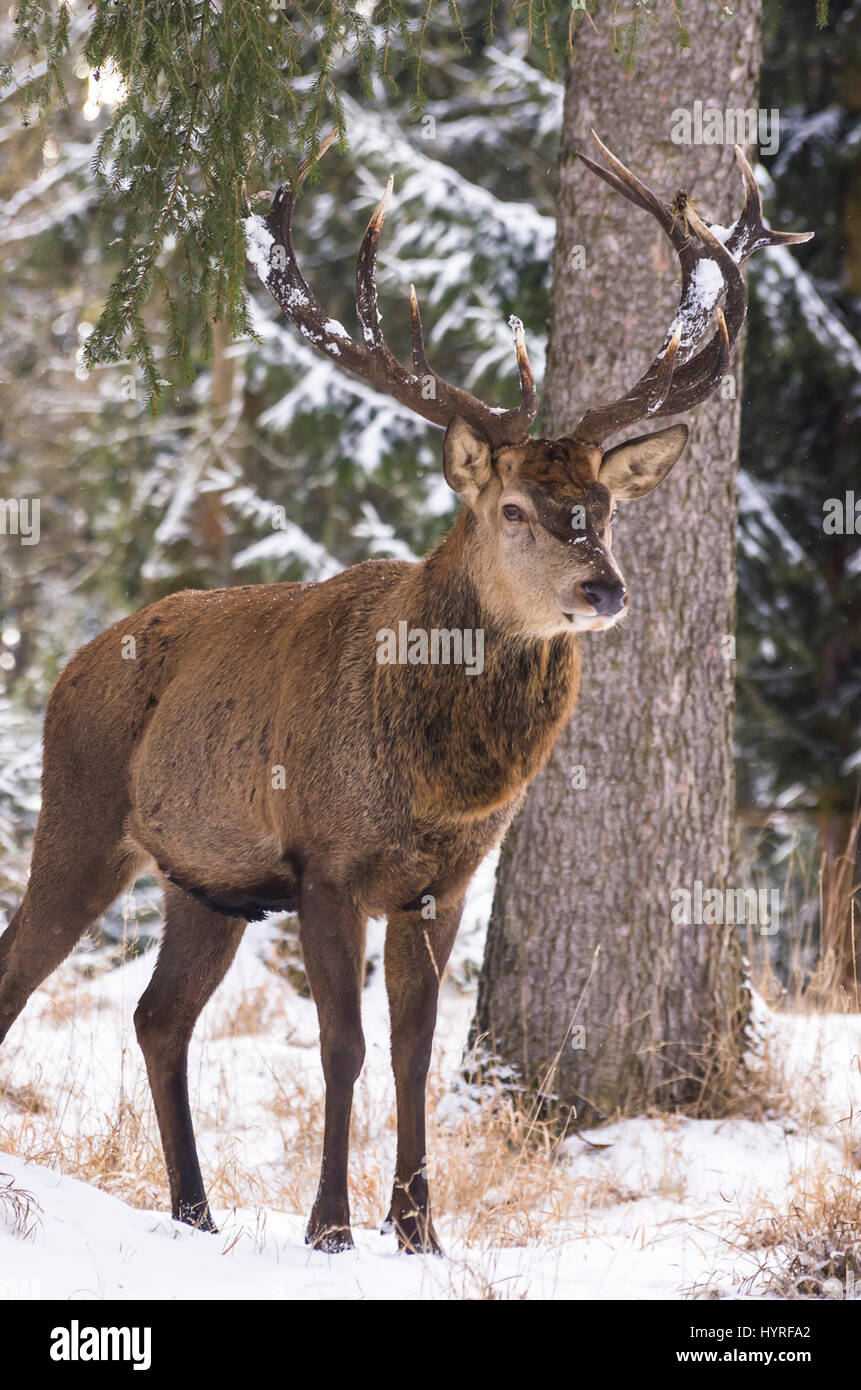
x=632, y=469
x=466, y=461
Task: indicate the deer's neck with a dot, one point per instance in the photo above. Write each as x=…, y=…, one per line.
x=481, y=726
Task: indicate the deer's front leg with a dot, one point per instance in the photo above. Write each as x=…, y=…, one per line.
x=333, y=947
x=416, y=954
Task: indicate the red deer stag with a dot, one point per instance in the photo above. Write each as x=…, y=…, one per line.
x=395, y=777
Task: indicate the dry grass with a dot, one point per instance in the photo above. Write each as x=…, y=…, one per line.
x=812, y=1249
x=780, y=1084
x=256, y=1011
x=494, y=1170
x=823, y=970
x=497, y=1169
x=285, y=957
x=19, y=1210
x=119, y=1154
x=839, y=969
x=27, y=1098
x=497, y=1172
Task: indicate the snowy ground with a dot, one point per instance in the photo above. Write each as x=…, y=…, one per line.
x=661, y=1210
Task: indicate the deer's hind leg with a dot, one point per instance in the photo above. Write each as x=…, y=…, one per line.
x=196, y=949
x=79, y=867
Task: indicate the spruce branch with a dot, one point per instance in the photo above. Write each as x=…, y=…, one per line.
x=223, y=95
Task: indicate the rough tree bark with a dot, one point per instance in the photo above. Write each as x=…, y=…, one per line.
x=583, y=962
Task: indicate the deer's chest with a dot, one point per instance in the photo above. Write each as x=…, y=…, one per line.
x=475, y=753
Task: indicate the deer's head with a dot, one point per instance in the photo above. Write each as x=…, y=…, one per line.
x=542, y=509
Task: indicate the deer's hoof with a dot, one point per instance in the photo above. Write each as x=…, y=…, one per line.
x=196, y=1214
x=329, y=1238
x=415, y=1233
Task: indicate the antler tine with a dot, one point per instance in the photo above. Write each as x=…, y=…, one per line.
x=366, y=273
x=285, y=280
x=515, y=422
x=646, y=398
x=421, y=365
x=723, y=342
x=371, y=357
x=523, y=416
x=661, y=390
x=529, y=408
x=649, y=395
x=285, y=198
x=624, y=181
x=750, y=231
x=307, y=163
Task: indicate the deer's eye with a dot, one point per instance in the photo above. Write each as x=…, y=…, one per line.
x=512, y=513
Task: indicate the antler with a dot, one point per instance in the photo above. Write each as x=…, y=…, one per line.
x=677, y=380
x=421, y=389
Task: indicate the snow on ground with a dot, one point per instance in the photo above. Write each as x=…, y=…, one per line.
x=659, y=1210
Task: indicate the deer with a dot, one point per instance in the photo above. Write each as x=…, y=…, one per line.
x=397, y=777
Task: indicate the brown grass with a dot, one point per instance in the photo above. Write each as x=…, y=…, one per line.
x=839, y=969
x=26, y=1098
x=497, y=1169
x=824, y=969
x=256, y=1011
x=19, y=1210
x=812, y=1249
x=494, y=1168
x=498, y=1173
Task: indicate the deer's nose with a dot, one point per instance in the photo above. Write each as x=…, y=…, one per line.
x=605, y=595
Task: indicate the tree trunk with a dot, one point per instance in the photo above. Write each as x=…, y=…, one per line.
x=584, y=966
